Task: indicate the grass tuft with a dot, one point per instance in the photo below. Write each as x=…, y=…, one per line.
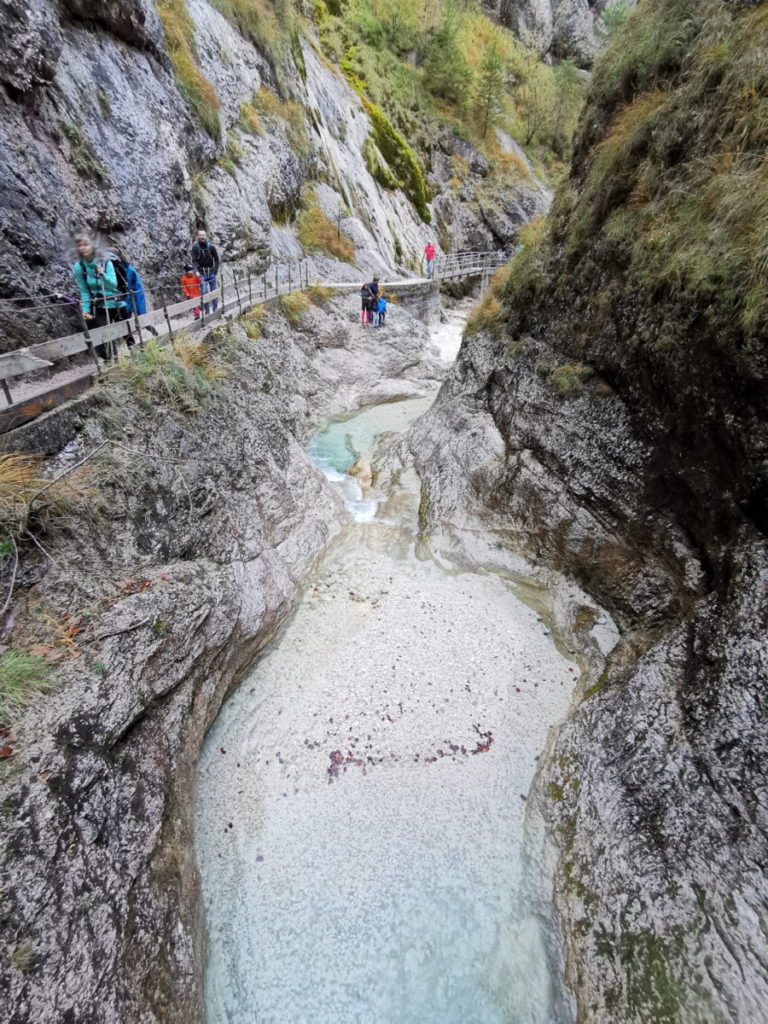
x=180, y=379
x=568, y=380
x=318, y=233
x=487, y=314
x=81, y=153
x=290, y=115
x=252, y=321
x=320, y=293
x=22, y=677
x=294, y=305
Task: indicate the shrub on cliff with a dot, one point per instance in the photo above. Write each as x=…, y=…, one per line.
x=672, y=159
x=400, y=158
x=193, y=85
x=318, y=233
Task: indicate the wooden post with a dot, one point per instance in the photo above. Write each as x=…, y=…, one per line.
x=7, y=392
x=221, y=275
x=168, y=321
x=265, y=286
x=289, y=278
x=237, y=293
x=250, y=291
x=277, y=282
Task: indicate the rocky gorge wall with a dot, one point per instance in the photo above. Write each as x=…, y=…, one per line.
x=607, y=415
x=151, y=592
x=98, y=134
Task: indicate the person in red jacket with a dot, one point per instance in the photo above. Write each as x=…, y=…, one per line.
x=429, y=256
x=191, y=283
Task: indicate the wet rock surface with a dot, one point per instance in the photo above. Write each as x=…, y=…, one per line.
x=154, y=600
x=655, y=786
x=574, y=430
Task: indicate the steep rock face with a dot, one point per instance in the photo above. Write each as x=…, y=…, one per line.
x=97, y=135
x=560, y=28
x=187, y=554
x=611, y=419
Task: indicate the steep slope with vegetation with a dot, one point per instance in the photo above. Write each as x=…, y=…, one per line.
x=389, y=122
x=608, y=413
x=144, y=564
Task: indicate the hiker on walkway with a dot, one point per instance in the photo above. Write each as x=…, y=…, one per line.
x=131, y=291
x=129, y=284
x=205, y=258
x=191, y=285
x=366, y=295
x=382, y=310
x=429, y=256
x=99, y=290
x=375, y=312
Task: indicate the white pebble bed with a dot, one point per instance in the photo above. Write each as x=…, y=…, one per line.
x=391, y=889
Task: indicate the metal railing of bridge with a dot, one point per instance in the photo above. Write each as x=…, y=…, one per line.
x=468, y=264
x=238, y=291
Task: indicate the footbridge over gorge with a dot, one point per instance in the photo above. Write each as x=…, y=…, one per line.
x=41, y=377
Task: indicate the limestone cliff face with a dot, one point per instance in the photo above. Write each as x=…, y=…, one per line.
x=608, y=414
x=198, y=527
x=97, y=135
x=559, y=28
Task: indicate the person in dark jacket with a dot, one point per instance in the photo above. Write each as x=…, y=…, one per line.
x=131, y=291
x=365, y=304
x=205, y=259
x=130, y=286
x=99, y=291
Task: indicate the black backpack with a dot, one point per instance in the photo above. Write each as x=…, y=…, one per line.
x=121, y=273
x=204, y=256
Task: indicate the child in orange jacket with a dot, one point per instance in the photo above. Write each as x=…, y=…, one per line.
x=191, y=285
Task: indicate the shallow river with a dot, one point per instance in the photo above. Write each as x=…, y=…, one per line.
x=363, y=795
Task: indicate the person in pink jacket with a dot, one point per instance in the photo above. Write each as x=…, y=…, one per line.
x=429, y=256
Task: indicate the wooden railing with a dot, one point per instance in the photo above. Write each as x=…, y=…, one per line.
x=238, y=290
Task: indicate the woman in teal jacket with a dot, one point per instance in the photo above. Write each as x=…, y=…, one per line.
x=97, y=282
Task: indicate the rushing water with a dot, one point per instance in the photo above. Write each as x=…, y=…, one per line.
x=362, y=796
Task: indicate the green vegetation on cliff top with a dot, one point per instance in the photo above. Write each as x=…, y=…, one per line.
x=445, y=64
x=421, y=68
x=670, y=174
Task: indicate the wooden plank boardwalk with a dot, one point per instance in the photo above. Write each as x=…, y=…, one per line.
x=235, y=295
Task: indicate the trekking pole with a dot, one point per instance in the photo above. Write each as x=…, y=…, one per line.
x=136, y=323
x=168, y=321
x=110, y=349
x=89, y=342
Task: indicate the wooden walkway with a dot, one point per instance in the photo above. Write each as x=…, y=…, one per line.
x=237, y=293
